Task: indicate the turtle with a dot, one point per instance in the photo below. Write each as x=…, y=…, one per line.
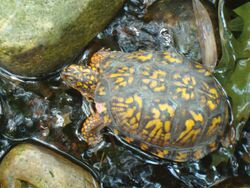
x=157, y=101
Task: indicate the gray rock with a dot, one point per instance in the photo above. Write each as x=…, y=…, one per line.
x=28, y=165
x=37, y=37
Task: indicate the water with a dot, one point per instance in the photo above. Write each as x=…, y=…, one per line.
x=47, y=111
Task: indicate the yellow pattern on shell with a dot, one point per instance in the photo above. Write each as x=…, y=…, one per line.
x=168, y=56
x=127, y=111
x=154, y=79
x=158, y=123
x=123, y=77
x=185, y=86
x=161, y=153
x=190, y=132
x=181, y=156
x=140, y=55
x=214, y=125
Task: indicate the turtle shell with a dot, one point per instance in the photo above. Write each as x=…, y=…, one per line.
x=162, y=103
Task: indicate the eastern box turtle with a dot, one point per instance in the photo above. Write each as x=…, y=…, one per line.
x=157, y=101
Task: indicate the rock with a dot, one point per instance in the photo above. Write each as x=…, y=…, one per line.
x=179, y=16
x=36, y=166
x=38, y=37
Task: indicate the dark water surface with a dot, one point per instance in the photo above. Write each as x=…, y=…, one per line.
x=47, y=111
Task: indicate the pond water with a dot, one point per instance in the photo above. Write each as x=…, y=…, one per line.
x=48, y=112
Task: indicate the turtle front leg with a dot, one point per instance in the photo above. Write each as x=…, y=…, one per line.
x=91, y=130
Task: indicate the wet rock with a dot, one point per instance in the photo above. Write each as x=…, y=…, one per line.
x=179, y=16
x=37, y=37
x=35, y=166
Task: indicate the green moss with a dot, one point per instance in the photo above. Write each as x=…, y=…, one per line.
x=37, y=37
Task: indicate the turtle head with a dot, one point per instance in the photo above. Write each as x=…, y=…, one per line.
x=81, y=78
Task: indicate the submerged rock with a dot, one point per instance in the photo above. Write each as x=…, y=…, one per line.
x=36, y=166
x=37, y=37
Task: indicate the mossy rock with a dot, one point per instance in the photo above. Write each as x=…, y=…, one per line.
x=28, y=165
x=38, y=37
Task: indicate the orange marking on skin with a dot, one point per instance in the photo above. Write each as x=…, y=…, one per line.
x=97, y=57
x=128, y=139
